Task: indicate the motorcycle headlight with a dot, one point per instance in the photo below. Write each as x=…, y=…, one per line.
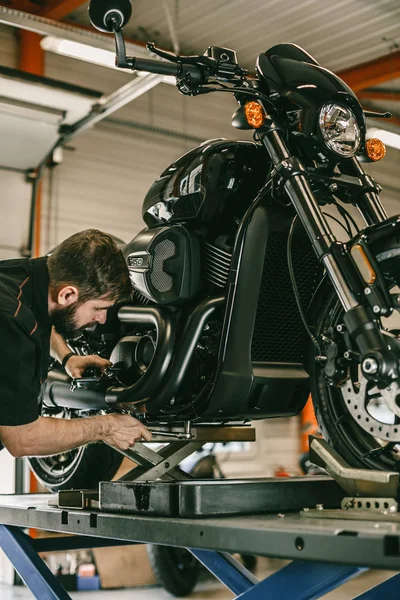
x=340, y=129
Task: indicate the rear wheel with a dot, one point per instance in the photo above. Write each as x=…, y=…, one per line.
x=340, y=409
x=176, y=569
x=82, y=468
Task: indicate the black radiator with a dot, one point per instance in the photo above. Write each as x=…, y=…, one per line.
x=279, y=334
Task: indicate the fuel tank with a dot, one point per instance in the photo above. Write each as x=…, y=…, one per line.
x=201, y=185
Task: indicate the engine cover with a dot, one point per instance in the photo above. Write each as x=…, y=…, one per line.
x=164, y=264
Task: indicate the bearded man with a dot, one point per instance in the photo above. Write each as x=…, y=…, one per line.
x=43, y=301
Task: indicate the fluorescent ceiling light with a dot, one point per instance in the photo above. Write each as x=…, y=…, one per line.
x=387, y=137
x=97, y=56
x=85, y=52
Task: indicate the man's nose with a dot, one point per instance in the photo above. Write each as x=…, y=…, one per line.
x=101, y=318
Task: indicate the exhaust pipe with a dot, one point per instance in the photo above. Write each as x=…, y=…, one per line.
x=56, y=391
x=144, y=387
x=160, y=372
x=182, y=357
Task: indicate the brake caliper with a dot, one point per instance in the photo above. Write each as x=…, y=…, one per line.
x=336, y=356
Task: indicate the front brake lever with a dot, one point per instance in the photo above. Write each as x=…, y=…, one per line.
x=204, y=61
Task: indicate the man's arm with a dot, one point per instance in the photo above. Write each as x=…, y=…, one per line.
x=76, y=365
x=47, y=435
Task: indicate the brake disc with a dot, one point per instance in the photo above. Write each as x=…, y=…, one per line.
x=357, y=398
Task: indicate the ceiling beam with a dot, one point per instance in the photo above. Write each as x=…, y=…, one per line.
x=373, y=72
x=55, y=10
x=388, y=95
x=60, y=9
x=24, y=5
x=31, y=54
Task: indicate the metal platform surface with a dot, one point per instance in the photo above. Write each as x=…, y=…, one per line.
x=362, y=543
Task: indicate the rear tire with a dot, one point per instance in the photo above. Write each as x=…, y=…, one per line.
x=82, y=468
x=176, y=569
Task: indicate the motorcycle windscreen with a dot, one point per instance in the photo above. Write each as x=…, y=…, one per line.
x=286, y=70
x=287, y=67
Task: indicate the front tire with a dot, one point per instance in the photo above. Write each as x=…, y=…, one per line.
x=354, y=444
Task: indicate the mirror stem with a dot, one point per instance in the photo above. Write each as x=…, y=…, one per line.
x=121, y=60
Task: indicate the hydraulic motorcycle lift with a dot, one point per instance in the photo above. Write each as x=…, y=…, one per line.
x=328, y=546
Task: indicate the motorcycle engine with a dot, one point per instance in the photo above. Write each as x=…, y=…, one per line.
x=167, y=266
x=164, y=264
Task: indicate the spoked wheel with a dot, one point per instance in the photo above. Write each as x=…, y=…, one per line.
x=354, y=416
x=82, y=467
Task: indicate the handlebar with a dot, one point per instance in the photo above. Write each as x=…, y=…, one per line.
x=191, y=72
x=191, y=75
x=159, y=67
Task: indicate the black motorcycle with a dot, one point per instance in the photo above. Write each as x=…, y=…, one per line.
x=243, y=299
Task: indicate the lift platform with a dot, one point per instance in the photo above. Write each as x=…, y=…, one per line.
x=325, y=552
x=328, y=536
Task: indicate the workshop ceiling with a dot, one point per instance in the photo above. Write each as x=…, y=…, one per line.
x=359, y=39
x=341, y=34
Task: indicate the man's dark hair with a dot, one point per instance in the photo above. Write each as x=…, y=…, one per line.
x=91, y=261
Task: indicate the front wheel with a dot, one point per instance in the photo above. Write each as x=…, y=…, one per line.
x=340, y=408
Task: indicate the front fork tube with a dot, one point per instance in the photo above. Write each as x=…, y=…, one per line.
x=359, y=321
x=369, y=205
x=309, y=212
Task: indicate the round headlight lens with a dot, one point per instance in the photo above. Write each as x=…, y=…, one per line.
x=340, y=129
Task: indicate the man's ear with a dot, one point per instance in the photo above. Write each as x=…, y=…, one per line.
x=67, y=295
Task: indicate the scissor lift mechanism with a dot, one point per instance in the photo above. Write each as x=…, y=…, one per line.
x=326, y=550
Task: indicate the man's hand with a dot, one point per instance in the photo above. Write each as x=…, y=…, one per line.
x=77, y=365
x=122, y=431
x=49, y=435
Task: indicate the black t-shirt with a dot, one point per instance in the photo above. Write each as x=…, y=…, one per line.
x=25, y=330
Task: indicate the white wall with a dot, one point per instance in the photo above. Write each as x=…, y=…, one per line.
x=9, y=47
x=15, y=197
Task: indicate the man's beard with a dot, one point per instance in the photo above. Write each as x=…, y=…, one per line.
x=64, y=321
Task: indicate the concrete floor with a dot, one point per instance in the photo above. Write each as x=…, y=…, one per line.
x=206, y=590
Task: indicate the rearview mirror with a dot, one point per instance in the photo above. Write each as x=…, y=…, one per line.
x=109, y=16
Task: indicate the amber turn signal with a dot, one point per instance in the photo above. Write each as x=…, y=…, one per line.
x=255, y=114
x=363, y=264
x=375, y=149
